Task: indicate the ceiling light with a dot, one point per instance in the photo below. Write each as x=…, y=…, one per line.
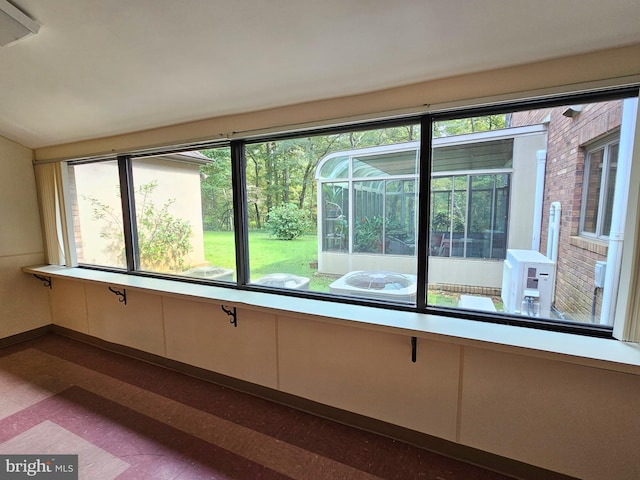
x=14, y=24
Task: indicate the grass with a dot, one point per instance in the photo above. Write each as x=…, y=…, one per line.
x=270, y=255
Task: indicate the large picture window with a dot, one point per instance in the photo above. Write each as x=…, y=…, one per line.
x=492, y=216
x=184, y=220
x=335, y=214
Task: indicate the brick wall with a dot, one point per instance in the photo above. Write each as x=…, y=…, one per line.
x=567, y=138
x=73, y=195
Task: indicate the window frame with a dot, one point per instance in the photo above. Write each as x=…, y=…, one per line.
x=469, y=174
x=426, y=122
x=605, y=145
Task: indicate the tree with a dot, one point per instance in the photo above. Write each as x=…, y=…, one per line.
x=469, y=125
x=216, y=190
x=282, y=171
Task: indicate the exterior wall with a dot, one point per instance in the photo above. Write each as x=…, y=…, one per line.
x=564, y=183
x=23, y=300
x=335, y=263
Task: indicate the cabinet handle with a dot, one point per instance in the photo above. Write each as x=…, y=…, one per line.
x=414, y=349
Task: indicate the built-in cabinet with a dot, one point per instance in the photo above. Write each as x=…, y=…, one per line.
x=69, y=305
x=137, y=324
x=570, y=418
x=371, y=373
x=204, y=335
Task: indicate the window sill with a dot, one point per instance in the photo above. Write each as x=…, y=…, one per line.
x=593, y=245
x=594, y=352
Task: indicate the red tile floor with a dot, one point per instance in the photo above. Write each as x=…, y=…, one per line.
x=128, y=419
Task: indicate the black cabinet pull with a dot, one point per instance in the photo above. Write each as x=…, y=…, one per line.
x=414, y=349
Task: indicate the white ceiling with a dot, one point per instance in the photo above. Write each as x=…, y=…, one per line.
x=104, y=67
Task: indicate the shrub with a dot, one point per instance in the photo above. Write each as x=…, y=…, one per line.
x=163, y=239
x=287, y=222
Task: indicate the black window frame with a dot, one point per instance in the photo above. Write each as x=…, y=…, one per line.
x=426, y=122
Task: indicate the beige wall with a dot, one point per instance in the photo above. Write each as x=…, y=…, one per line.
x=23, y=299
x=607, y=67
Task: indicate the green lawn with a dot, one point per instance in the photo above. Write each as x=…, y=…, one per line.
x=269, y=255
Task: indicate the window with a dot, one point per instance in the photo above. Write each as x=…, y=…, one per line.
x=477, y=220
x=601, y=163
x=184, y=214
x=335, y=214
x=503, y=213
x=469, y=216
x=97, y=213
x=180, y=199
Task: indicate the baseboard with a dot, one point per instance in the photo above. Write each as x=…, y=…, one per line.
x=25, y=336
x=497, y=463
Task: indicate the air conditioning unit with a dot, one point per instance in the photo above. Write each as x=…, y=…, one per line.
x=527, y=283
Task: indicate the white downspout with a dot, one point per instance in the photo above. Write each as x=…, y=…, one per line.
x=553, y=238
x=555, y=211
x=541, y=156
x=620, y=198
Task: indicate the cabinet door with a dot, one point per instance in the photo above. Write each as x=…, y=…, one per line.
x=572, y=419
x=371, y=373
x=201, y=334
x=138, y=324
x=68, y=305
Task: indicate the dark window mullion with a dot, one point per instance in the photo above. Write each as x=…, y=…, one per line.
x=424, y=202
x=129, y=223
x=240, y=215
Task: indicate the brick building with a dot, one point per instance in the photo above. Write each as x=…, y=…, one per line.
x=582, y=144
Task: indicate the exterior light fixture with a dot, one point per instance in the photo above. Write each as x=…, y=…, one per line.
x=14, y=24
x=572, y=111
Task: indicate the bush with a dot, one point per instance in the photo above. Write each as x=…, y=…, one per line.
x=287, y=222
x=163, y=240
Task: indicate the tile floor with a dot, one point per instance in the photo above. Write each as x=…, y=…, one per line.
x=128, y=419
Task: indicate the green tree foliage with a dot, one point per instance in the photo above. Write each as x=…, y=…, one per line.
x=287, y=222
x=282, y=172
x=163, y=240
x=461, y=126
x=216, y=190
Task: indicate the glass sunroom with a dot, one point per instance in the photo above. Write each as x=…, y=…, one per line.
x=482, y=193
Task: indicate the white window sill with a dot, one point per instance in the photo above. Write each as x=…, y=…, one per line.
x=595, y=352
